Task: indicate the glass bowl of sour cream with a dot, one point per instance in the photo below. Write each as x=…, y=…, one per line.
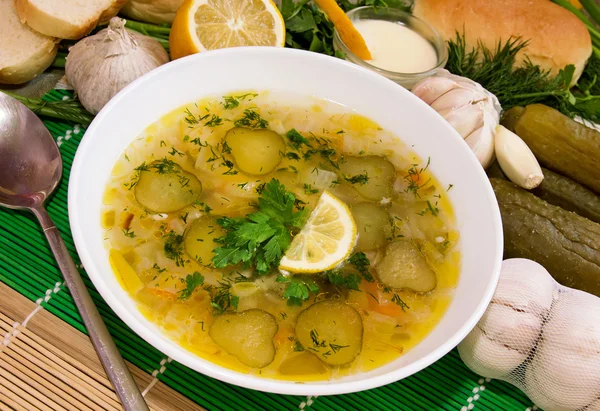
x=404, y=48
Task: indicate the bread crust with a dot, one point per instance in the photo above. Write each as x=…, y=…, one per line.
x=152, y=11
x=557, y=37
x=60, y=26
x=24, y=53
x=30, y=68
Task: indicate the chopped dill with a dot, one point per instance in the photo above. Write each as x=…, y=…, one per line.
x=297, y=140
x=128, y=233
x=251, y=119
x=308, y=190
x=158, y=268
x=214, y=121
x=230, y=102
x=173, y=248
x=314, y=336
x=175, y=152
x=359, y=179
x=398, y=301
x=184, y=217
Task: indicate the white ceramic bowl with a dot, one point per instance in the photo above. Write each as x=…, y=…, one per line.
x=286, y=70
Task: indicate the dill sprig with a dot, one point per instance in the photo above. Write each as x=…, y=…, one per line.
x=519, y=85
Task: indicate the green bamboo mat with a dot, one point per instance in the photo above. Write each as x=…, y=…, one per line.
x=27, y=266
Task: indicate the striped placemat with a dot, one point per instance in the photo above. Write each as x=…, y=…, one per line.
x=46, y=361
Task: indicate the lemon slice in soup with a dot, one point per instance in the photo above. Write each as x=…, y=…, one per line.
x=326, y=239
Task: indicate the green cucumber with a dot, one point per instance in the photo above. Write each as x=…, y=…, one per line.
x=566, y=244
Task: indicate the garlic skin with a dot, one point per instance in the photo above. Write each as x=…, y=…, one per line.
x=565, y=372
x=540, y=336
x=469, y=108
x=509, y=329
x=517, y=160
x=99, y=66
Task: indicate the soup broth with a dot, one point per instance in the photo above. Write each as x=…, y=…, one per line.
x=202, y=205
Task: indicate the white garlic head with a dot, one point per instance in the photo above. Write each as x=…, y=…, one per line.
x=470, y=109
x=99, y=66
x=564, y=374
x=509, y=329
x=541, y=337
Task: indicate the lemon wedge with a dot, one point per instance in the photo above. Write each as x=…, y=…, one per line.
x=326, y=239
x=201, y=25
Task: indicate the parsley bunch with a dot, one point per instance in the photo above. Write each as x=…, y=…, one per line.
x=260, y=239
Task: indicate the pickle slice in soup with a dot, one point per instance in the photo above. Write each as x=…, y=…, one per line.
x=372, y=226
x=256, y=152
x=199, y=239
x=164, y=189
x=404, y=266
x=371, y=176
x=247, y=335
x=331, y=330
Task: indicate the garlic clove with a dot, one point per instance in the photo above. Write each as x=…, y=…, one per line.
x=525, y=286
x=517, y=160
x=563, y=374
x=431, y=88
x=481, y=142
x=465, y=119
x=486, y=356
x=455, y=98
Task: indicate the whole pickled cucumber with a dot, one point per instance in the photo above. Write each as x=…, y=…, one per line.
x=559, y=143
x=566, y=244
x=563, y=192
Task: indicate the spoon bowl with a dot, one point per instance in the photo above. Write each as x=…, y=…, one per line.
x=31, y=169
x=28, y=150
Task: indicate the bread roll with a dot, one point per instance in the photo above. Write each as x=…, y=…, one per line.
x=152, y=11
x=67, y=19
x=24, y=53
x=557, y=37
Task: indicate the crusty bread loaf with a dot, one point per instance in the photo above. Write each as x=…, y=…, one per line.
x=557, y=37
x=151, y=11
x=67, y=19
x=24, y=53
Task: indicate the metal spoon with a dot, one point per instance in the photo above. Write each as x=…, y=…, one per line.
x=30, y=169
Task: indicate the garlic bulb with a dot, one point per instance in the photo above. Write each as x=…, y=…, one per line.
x=99, y=66
x=508, y=330
x=540, y=336
x=469, y=108
x=516, y=159
x=565, y=372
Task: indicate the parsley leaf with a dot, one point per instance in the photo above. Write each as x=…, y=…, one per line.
x=260, y=239
x=351, y=281
x=192, y=281
x=298, y=290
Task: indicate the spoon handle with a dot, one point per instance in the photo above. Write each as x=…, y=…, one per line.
x=111, y=359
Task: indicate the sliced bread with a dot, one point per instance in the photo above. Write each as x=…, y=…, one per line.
x=24, y=53
x=67, y=19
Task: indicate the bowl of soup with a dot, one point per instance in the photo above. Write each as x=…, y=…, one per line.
x=285, y=221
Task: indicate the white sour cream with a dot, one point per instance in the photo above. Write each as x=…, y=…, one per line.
x=395, y=47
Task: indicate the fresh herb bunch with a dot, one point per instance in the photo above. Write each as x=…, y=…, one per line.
x=497, y=71
x=260, y=239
